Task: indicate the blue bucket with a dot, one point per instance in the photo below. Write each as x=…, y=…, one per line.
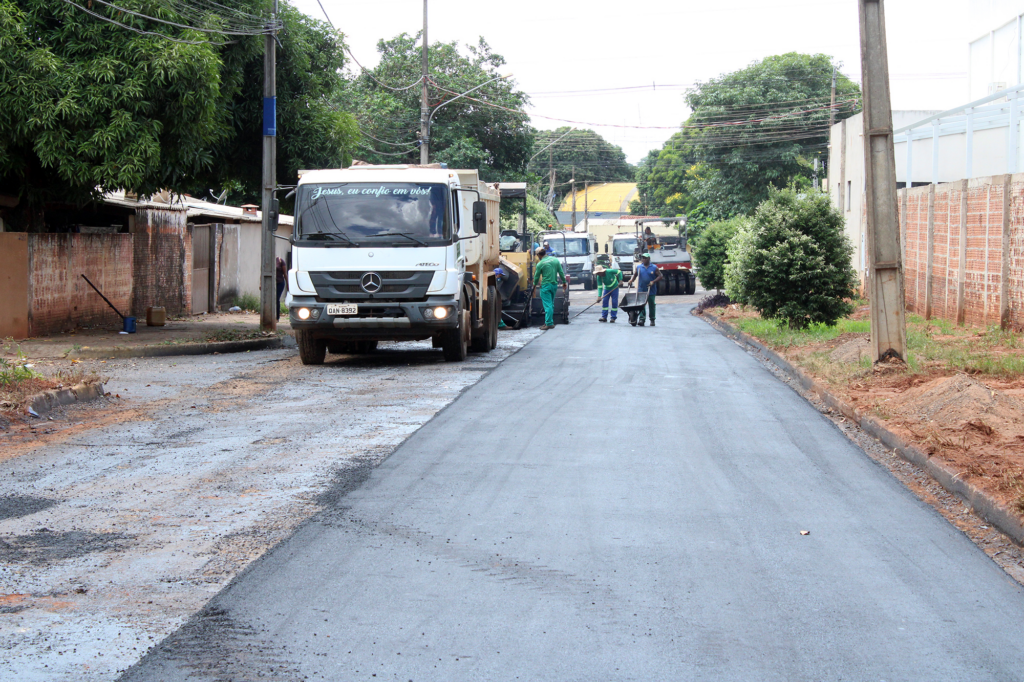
x=129, y=325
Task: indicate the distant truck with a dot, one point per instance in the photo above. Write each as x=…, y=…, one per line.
x=578, y=253
x=387, y=253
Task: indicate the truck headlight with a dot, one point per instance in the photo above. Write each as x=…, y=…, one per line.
x=440, y=312
x=303, y=313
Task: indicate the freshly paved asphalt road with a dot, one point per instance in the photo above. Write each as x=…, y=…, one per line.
x=615, y=503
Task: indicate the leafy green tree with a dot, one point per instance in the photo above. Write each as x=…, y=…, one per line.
x=709, y=251
x=582, y=154
x=312, y=131
x=762, y=126
x=487, y=129
x=89, y=107
x=538, y=217
x=799, y=269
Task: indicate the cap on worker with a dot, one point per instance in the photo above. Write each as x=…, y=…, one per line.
x=646, y=255
x=598, y=270
x=541, y=250
x=499, y=272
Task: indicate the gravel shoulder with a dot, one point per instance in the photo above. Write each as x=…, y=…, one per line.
x=120, y=519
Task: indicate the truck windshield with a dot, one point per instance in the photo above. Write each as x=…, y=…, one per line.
x=573, y=247
x=623, y=247
x=356, y=212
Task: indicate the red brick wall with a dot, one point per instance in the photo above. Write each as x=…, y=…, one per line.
x=162, y=262
x=983, y=277
x=59, y=299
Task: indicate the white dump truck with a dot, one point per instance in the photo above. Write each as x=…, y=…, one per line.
x=384, y=253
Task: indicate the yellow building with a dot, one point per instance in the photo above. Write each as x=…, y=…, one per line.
x=604, y=200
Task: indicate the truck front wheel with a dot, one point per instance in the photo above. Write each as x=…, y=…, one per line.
x=454, y=342
x=311, y=351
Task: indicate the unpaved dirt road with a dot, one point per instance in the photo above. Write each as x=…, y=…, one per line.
x=130, y=516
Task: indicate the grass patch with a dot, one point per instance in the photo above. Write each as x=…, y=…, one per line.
x=777, y=334
x=991, y=351
x=250, y=302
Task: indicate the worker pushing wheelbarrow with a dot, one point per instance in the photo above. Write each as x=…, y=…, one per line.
x=637, y=304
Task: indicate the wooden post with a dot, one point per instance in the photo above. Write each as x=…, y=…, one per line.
x=888, y=319
x=961, y=276
x=1004, y=280
x=930, y=254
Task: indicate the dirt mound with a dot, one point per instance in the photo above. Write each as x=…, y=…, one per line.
x=959, y=399
x=852, y=351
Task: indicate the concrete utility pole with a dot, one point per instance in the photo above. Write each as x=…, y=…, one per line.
x=573, y=181
x=268, y=279
x=424, y=103
x=586, y=207
x=888, y=315
x=551, y=181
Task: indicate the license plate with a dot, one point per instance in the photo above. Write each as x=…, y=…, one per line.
x=342, y=309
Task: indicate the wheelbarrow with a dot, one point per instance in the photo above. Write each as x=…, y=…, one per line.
x=632, y=303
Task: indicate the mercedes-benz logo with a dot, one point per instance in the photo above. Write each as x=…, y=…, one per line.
x=370, y=282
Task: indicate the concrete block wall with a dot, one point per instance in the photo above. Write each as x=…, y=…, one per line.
x=967, y=255
x=162, y=262
x=59, y=299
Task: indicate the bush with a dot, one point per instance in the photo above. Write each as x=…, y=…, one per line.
x=799, y=269
x=738, y=253
x=709, y=251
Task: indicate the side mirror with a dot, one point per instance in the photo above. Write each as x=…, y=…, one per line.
x=479, y=217
x=275, y=214
x=606, y=248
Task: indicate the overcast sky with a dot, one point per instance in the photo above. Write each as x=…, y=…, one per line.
x=658, y=48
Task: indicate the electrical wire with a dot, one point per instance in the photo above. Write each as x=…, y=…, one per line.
x=369, y=73
x=148, y=33
x=263, y=29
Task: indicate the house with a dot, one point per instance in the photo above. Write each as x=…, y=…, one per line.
x=602, y=200
x=185, y=255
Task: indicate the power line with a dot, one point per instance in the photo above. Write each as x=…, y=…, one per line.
x=366, y=70
x=146, y=33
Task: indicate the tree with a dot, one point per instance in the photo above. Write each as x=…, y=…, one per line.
x=487, y=129
x=760, y=127
x=582, y=154
x=799, y=267
x=709, y=251
x=312, y=130
x=91, y=107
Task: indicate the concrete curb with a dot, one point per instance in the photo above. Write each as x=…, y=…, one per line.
x=976, y=499
x=46, y=401
x=179, y=349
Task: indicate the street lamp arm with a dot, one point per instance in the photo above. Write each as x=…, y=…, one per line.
x=438, y=107
x=552, y=144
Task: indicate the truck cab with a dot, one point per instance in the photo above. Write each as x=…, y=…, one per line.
x=382, y=253
x=624, y=252
x=577, y=251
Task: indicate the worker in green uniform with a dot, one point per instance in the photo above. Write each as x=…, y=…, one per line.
x=548, y=272
x=648, y=276
x=609, y=280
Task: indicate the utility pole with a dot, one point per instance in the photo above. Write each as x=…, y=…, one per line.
x=888, y=314
x=573, y=181
x=268, y=280
x=424, y=108
x=586, y=207
x=551, y=175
